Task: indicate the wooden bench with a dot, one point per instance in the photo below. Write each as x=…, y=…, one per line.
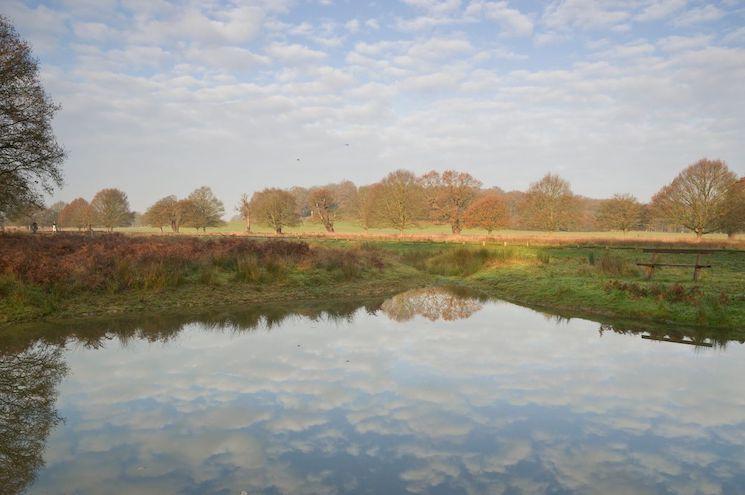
x=652, y=264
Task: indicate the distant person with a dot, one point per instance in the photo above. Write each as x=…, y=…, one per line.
x=34, y=227
x=54, y=227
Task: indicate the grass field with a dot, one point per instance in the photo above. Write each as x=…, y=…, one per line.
x=441, y=231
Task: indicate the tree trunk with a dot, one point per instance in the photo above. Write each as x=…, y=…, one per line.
x=699, y=235
x=248, y=223
x=731, y=235
x=278, y=230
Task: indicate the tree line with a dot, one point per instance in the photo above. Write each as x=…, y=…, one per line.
x=705, y=197
x=110, y=208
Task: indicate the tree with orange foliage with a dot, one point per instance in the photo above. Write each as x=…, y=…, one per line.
x=488, y=212
x=448, y=196
x=622, y=212
x=550, y=204
x=77, y=214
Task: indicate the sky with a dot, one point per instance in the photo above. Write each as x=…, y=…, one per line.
x=160, y=97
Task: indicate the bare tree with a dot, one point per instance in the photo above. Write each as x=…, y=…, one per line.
x=488, y=212
x=697, y=198
x=244, y=210
x=345, y=193
x=550, y=204
x=622, y=212
x=111, y=209
x=448, y=196
x=203, y=209
x=401, y=200
x=302, y=207
x=368, y=205
x=30, y=157
x=77, y=214
x=324, y=206
x=275, y=208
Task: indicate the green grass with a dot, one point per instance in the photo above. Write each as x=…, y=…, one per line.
x=592, y=282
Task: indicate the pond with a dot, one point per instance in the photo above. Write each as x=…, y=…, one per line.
x=430, y=391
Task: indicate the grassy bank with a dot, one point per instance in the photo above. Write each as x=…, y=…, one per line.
x=600, y=282
x=68, y=276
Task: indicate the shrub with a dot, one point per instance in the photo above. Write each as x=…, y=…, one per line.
x=118, y=262
x=458, y=262
x=347, y=263
x=615, y=266
x=671, y=293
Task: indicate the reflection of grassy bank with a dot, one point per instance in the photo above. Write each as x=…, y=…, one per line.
x=123, y=274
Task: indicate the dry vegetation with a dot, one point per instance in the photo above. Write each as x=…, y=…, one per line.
x=118, y=262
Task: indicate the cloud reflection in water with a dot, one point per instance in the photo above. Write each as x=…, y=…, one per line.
x=505, y=401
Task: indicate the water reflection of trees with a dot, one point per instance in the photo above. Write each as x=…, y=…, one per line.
x=433, y=303
x=95, y=333
x=28, y=391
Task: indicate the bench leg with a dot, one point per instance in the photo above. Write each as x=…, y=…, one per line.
x=650, y=270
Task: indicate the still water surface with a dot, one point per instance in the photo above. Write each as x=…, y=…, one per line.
x=427, y=392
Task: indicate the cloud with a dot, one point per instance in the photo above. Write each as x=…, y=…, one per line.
x=584, y=14
x=736, y=37
x=352, y=25
x=707, y=13
x=657, y=10
x=511, y=21
x=435, y=6
x=235, y=25
x=677, y=43
x=294, y=53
